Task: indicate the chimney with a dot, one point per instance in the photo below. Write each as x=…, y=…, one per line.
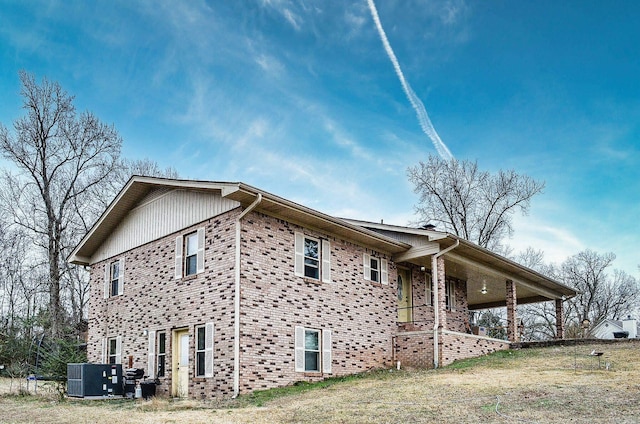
x=631, y=326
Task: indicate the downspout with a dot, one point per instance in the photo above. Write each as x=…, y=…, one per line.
x=236, y=306
x=434, y=281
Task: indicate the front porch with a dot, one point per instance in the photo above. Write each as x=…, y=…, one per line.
x=443, y=283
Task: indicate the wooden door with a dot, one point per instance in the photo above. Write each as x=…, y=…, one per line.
x=405, y=302
x=180, y=386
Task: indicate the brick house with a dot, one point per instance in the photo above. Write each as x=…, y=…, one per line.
x=219, y=288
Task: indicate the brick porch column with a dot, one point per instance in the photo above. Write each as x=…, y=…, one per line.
x=512, y=303
x=559, y=319
x=442, y=303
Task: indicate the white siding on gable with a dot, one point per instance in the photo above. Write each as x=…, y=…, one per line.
x=414, y=240
x=159, y=216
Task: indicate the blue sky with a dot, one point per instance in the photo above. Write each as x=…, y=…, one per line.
x=301, y=99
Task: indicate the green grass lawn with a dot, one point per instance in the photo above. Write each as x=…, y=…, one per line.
x=544, y=385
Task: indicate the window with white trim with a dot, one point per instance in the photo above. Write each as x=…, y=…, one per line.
x=114, y=350
x=189, y=254
x=312, y=350
x=312, y=258
x=450, y=294
x=114, y=278
x=204, y=350
x=162, y=353
x=375, y=269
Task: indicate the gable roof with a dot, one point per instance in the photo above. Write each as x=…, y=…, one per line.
x=401, y=242
x=470, y=253
x=138, y=187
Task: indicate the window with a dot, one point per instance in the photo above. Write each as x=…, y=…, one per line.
x=190, y=254
x=312, y=350
x=312, y=258
x=114, y=278
x=429, y=285
x=376, y=269
x=113, y=350
x=450, y=294
x=162, y=353
x=204, y=350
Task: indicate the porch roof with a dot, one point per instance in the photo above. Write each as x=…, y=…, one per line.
x=479, y=267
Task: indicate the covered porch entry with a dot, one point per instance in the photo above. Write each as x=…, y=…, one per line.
x=449, y=279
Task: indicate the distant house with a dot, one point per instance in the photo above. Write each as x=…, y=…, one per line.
x=608, y=329
x=220, y=288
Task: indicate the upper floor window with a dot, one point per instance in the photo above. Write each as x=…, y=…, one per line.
x=190, y=254
x=312, y=258
x=376, y=269
x=114, y=278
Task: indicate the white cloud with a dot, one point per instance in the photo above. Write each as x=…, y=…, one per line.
x=556, y=242
x=292, y=18
x=270, y=64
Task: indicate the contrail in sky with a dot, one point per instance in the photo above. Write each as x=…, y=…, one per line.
x=421, y=112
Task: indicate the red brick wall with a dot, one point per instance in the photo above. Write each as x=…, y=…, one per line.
x=457, y=346
x=154, y=300
x=415, y=349
x=361, y=314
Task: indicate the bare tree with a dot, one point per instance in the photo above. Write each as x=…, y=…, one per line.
x=60, y=156
x=473, y=204
x=601, y=294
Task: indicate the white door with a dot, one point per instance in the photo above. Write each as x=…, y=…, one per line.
x=181, y=364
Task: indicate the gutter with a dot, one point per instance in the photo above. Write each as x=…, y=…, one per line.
x=434, y=280
x=236, y=306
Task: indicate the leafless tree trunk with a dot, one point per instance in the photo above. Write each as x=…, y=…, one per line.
x=60, y=156
x=470, y=203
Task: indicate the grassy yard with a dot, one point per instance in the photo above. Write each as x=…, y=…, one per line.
x=543, y=385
